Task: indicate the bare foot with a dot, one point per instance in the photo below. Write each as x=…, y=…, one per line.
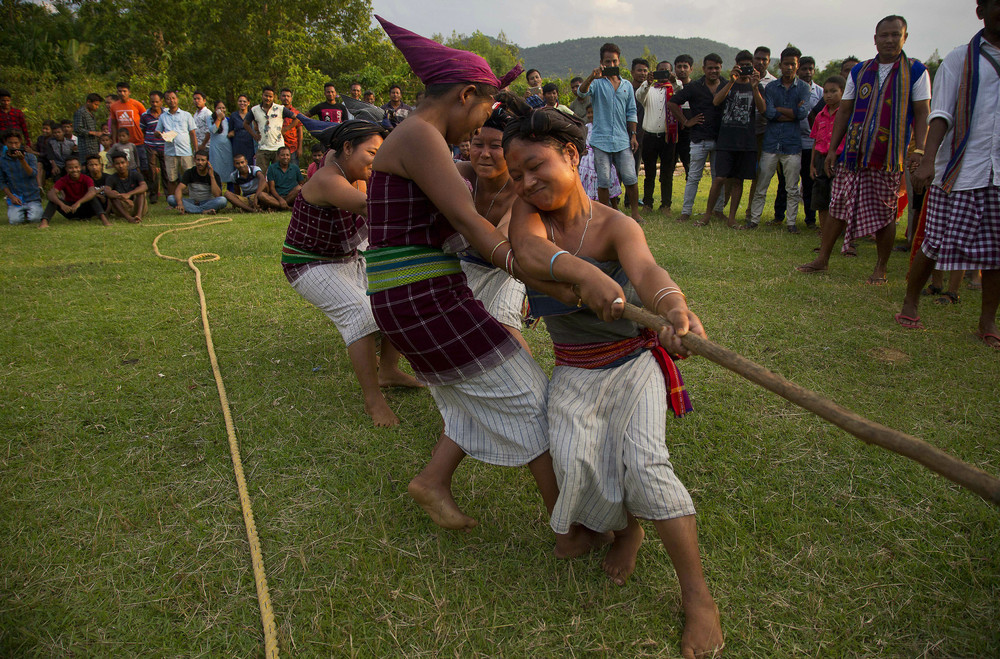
x=44, y=224
x=393, y=377
x=619, y=562
x=439, y=504
x=704, y=220
x=381, y=415
x=579, y=541
x=702, y=637
x=105, y=221
x=812, y=267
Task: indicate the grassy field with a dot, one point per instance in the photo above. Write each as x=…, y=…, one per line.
x=122, y=535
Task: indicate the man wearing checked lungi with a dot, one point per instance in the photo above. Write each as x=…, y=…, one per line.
x=885, y=97
x=962, y=225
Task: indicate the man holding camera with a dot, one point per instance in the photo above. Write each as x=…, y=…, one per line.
x=19, y=180
x=661, y=132
x=613, y=136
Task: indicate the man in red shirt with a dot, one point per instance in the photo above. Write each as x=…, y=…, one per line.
x=291, y=129
x=74, y=196
x=125, y=113
x=12, y=118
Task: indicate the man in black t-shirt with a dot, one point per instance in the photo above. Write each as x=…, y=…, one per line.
x=329, y=110
x=736, y=147
x=126, y=190
x=703, y=124
x=204, y=186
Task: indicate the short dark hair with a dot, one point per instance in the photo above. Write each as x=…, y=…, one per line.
x=123, y=130
x=64, y=122
x=267, y=88
x=527, y=74
x=576, y=79
x=356, y=82
x=316, y=148
x=791, y=51
x=391, y=87
x=96, y=157
x=283, y=148
x=198, y=92
x=849, y=58
x=684, y=59
x=156, y=92
x=123, y=85
x=329, y=83
x=837, y=80
x=49, y=123
x=807, y=59
x=115, y=155
x=893, y=17
x=201, y=152
x=94, y=98
x=609, y=47
x=171, y=91
x=13, y=132
x=762, y=49
x=639, y=60
x=5, y=93
x=550, y=87
x=239, y=155
x=711, y=57
x=285, y=89
x=744, y=56
x=72, y=157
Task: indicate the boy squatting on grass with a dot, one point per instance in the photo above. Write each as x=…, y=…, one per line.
x=606, y=402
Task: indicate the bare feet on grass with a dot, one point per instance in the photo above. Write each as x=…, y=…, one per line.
x=439, y=504
x=381, y=415
x=579, y=541
x=619, y=562
x=702, y=637
x=393, y=377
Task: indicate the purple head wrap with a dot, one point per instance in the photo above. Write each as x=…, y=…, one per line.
x=435, y=64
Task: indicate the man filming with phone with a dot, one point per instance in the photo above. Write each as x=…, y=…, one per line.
x=613, y=137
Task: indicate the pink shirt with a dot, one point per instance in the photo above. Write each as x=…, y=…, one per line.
x=822, y=130
x=312, y=169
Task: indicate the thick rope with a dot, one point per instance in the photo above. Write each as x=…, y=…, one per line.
x=256, y=557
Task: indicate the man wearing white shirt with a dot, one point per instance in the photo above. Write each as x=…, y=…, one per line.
x=265, y=123
x=659, y=137
x=178, y=148
x=962, y=230
x=761, y=60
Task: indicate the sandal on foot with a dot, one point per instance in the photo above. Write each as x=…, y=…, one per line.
x=908, y=322
x=932, y=290
x=850, y=251
x=876, y=281
x=947, y=297
x=990, y=339
x=974, y=286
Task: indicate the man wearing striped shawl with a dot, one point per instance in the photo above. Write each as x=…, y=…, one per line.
x=885, y=97
x=962, y=224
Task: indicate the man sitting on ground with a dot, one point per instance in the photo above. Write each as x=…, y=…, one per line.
x=206, y=188
x=126, y=190
x=92, y=167
x=73, y=196
x=283, y=182
x=252, y=186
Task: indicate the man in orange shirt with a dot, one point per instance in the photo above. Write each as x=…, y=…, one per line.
x=125, y=113
x=291, y=129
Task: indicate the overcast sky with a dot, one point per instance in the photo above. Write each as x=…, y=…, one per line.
x=824, y=29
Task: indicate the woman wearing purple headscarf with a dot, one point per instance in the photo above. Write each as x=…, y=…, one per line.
x=490, y=392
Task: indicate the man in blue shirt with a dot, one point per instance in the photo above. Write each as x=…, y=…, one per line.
x=613, y=136
x=19, y=181
x=787, y=104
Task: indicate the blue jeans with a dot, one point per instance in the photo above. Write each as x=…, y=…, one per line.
x=29, y=212
x=701, y=152
x=215, y=204
x=624, y=162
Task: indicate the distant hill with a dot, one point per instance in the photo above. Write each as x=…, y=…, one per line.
x=580, y=56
